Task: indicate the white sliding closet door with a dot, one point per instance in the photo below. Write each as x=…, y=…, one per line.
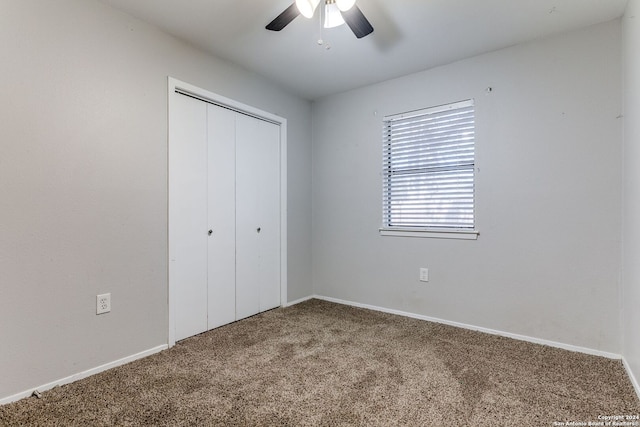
x=221, y=125
x=269, y=196
x=224, y=215
x=257, y=216
x=188, y=215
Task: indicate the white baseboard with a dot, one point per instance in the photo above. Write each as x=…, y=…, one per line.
x=83, y=374
x=298, y=301
x=476, y=328
x=149, y=352
x=634, y=380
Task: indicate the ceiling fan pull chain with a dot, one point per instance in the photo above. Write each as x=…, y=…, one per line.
x=321, y=41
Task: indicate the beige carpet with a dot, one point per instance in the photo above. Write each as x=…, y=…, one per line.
x=325, y=364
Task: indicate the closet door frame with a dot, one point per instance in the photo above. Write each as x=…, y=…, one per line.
x=177, y=87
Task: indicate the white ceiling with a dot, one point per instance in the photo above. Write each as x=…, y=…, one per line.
x=409, y=36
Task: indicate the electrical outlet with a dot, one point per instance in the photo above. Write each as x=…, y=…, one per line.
x=424, y=274
x=103, y=303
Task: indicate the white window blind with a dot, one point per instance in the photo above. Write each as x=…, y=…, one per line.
x=428, y=168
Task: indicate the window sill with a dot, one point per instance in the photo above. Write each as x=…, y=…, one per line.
x=433, y=234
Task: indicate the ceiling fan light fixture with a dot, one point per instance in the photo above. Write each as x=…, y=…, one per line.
x=352, y=16
x=345, y=5
x=332, y=16
x=307, y=7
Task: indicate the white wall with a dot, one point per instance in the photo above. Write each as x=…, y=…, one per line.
x=547, y=261
x=83, y=182
x=631, y=211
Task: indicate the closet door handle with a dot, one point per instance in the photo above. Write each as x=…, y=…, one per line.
x=210, y=232
x=258, y=229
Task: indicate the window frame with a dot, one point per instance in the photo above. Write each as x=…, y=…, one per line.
x=470, y=233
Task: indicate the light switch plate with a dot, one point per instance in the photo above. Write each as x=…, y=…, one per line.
x=424, y=274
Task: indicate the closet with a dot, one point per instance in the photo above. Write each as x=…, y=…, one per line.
x=224, y=215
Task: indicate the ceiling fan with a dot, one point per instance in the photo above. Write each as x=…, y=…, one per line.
x=337, y=12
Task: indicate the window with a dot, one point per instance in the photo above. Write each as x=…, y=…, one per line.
x=428, y=171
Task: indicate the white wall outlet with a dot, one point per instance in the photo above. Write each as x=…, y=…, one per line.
x=424, y=274
x=103, y=303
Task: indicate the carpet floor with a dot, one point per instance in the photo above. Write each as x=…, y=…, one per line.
x=324, y=364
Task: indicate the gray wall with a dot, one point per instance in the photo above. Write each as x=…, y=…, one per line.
x=631, y=212
x=83, y=182
x=547, y=261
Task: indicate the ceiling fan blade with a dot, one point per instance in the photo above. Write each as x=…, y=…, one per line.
x=284, y=18
x=358, y=23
